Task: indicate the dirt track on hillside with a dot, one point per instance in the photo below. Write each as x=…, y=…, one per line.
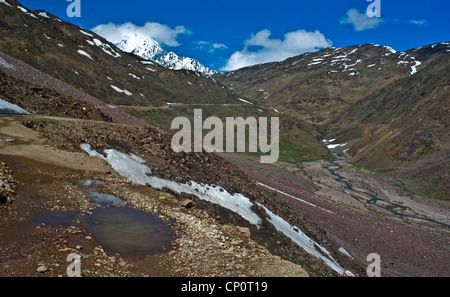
x=32, y=75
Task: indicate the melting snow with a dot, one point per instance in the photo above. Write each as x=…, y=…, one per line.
x=128, y=93
x=106, y=48
x=31, y=15
x=245, y=101
x=9, y=108
x=315, y=61
x=303, y=240
x=5, y=64
x=81, y=52
x=86, y=33
x=133, y=75
x=342, y=250
x=390, y=49
x=352, y=51
x=133, y=168
x=44, y=14
x=332, y=146
x=151, y=69
x=147, y=62
x=413, y=68
x=4, y=1
x=21, y=8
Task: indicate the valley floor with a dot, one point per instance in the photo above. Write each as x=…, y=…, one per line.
x=413, y=242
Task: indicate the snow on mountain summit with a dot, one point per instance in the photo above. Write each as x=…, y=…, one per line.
x=149, y=49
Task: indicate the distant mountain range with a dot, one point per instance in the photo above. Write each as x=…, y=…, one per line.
x=149, y=49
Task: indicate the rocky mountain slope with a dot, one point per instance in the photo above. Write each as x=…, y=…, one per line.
x=389, y=107
x=345, y=76
x=92, y=64
x=140, y=87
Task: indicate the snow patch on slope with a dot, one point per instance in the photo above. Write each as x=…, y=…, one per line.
x=132, y=167
x=5, y=64
x=117, y=89
x=303, y=240
x=9, y=108
x=83, y=53
x=4, y=2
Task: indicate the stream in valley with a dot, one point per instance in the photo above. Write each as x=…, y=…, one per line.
x=397, y=210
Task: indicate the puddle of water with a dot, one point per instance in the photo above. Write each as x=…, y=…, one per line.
x=89, y=182
x=105, y=200
x=55, y=219
x=129, y=231
x=33, y=179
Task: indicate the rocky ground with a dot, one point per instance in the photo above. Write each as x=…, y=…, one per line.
x=44, y=176
x=42, y=100
x=7, y=186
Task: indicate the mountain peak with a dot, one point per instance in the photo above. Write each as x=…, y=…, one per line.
x=149, y=49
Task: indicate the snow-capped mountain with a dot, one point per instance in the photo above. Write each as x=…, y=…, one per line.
x=150, y=49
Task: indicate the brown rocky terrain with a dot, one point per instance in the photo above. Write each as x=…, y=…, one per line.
x=7, y=186
x=46, y=176
x=42, y=100
x=390, y=108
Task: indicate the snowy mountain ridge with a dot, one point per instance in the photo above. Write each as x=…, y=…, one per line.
x=149, y=49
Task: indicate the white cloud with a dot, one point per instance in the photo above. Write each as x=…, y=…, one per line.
x=161, y=33
x=419, y=22
x=360, y=20
x=271, y=50
x=210, y=46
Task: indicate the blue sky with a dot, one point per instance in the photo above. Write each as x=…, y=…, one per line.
x=230, y=34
